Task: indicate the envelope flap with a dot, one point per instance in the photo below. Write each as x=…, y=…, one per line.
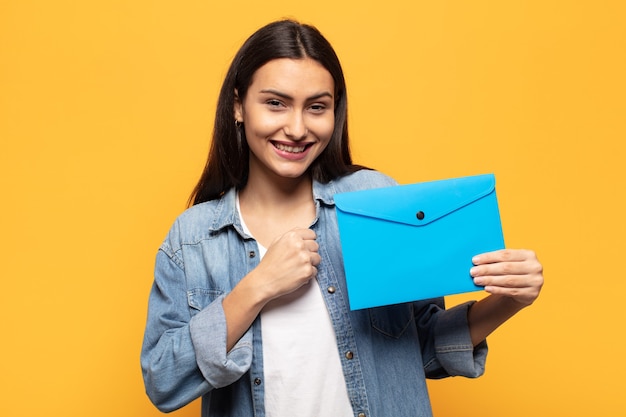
x=417, y=204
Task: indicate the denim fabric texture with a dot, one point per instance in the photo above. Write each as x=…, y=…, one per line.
x=386, y=352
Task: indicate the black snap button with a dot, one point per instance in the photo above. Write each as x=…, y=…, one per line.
x=251, y=254
x=420, y=215
x=257, y=381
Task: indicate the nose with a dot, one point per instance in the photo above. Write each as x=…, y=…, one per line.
x=295, y=128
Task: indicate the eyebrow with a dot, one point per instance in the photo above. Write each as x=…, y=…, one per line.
x=288, y=97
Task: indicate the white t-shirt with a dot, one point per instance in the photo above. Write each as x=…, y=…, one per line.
x=303, y=375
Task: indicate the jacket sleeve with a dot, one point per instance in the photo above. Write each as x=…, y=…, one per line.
x=184, y=352
x=447, y=348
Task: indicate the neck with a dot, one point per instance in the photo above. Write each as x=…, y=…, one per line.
x=271, y=208
x=284, y=192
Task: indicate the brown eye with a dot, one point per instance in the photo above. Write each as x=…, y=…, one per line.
x=318, y=108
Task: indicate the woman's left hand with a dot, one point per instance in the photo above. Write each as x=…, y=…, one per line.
x=514, y=273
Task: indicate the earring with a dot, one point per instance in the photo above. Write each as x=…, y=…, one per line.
x=238, y=132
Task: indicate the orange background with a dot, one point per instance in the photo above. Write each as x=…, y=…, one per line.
x=105, y=115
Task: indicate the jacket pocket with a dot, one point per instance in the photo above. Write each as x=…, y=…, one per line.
x=392, y=320
x=199, y=298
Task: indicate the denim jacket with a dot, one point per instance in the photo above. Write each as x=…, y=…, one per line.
x=386, y=352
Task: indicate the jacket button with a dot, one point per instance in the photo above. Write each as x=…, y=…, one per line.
x=257, y=381
x=331, y=290
x=420, y=215
x=361, y=415
x=251, y=254
x=349, y=354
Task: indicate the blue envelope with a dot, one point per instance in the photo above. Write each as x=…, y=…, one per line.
x=413, y=242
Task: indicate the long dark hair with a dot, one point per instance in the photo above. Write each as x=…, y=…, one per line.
x=227, y=164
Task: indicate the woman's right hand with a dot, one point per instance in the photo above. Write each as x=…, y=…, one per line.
x=290, y=262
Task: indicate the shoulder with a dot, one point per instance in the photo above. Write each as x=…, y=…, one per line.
x=198, y=216
x=198, y=223
x=363, y=179
x=360, y=180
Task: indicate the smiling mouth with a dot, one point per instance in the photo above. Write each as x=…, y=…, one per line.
x=291, y=149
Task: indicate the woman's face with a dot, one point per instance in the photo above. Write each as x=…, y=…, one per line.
x=288, y=115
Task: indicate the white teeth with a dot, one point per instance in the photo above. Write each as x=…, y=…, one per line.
x=292, y=149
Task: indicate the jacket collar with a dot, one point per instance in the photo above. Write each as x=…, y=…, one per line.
x=226, y=213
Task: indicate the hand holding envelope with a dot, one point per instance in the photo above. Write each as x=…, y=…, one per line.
x=417, y=241
x=514, y=273
x=513, y=277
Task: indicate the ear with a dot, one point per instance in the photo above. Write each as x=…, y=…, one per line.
x=238, y=108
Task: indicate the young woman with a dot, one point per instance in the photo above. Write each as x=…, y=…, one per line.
x=249, y=307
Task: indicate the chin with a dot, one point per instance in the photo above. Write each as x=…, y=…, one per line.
x=292, y=172
x=292, y=175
